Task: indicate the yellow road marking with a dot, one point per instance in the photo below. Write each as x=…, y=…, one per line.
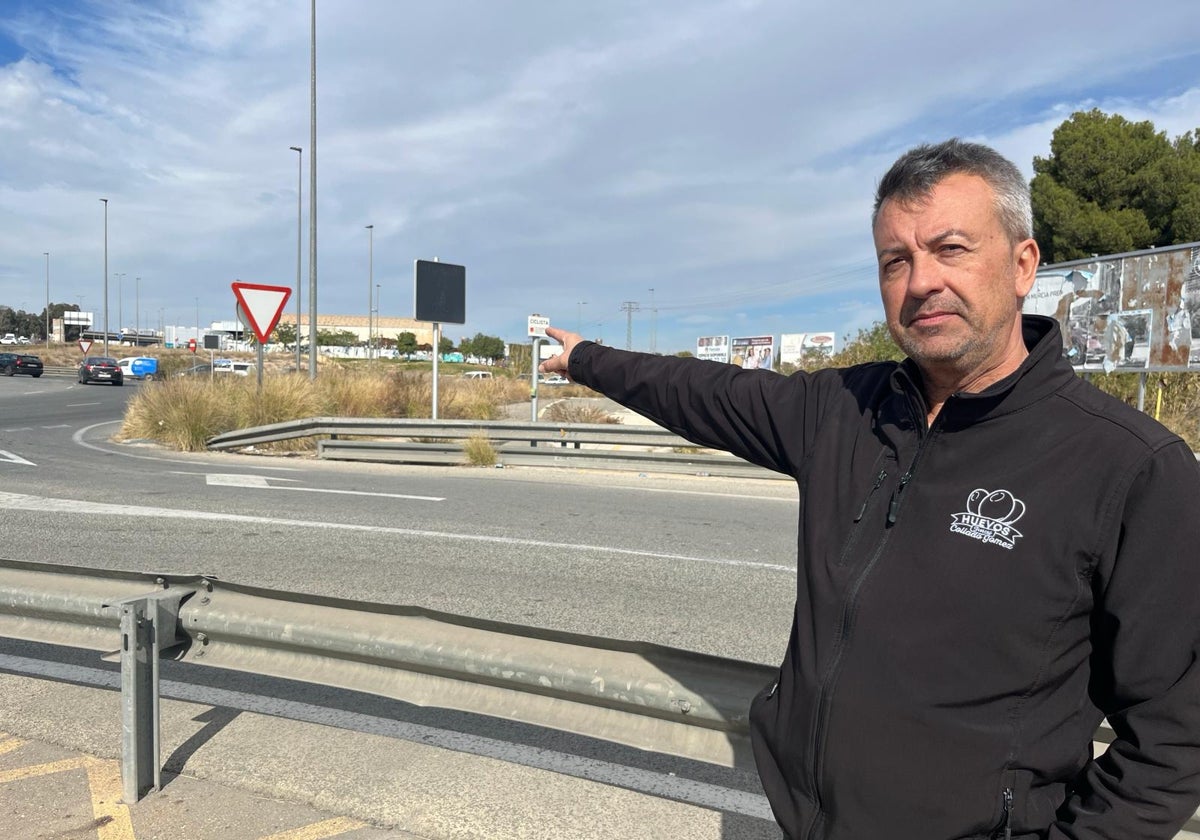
x=319, y=831
x=112, y=817
x=41, y=769
x=7, y=744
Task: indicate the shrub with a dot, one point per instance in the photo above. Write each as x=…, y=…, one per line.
x=479, y=450
x=570, y=411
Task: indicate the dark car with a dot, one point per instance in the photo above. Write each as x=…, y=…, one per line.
x=100, y=369
x=14, y=363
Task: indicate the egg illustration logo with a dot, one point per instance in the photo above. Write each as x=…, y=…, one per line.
x=989, y=518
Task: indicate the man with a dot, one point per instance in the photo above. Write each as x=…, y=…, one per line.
x=993, y=555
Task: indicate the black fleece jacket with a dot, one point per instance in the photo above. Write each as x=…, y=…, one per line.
x=972, y=598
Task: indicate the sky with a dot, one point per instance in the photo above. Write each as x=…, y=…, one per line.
x=710, y=162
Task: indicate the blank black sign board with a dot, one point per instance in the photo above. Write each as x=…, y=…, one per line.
x=212, y=342
x=441, y=292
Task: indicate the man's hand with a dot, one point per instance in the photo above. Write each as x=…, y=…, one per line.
x=559, y=363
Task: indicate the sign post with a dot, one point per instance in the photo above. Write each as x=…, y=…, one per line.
x=262, y=306
x=537, y=331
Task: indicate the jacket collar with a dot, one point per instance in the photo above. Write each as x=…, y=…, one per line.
x=1042, y=372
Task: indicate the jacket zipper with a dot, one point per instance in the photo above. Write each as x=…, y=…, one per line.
x=825, y=692
x=1008, y=806
x=878, y=483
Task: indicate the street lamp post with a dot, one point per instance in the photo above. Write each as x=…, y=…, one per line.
x=47, y=254
x=137, y=312
x=105, y=200
x=370, y=282
x=299, y=224
x=120, y=299
x=312, y=202
x=378, y=332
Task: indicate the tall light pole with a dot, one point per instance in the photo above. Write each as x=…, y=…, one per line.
x=137, y=311
x=312, y=204
x=378, y=332
x=299, y=235
x=120, y=275
x=105, y=200
x=370, y=282
x=197, y=320
x=47, y=254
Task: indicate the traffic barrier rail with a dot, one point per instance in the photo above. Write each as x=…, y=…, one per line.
x=422, y=441
x=643, y=695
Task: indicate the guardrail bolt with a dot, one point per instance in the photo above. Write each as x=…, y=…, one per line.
x=207, y=584
x=206, y=600
x=202, y=638
x=685, y=706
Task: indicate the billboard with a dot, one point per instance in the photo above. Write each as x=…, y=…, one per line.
x=714, y=348
x=794, y=346
x=753, y=352
x=1131, y=312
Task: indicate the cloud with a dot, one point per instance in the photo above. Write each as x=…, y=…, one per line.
x=722, y=153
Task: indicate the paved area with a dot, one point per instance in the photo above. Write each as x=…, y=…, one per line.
x=249, y=776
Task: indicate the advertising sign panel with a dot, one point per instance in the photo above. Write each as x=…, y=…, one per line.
x=794, y=346
x=753, y=352
x=714, y=348
x=1135, y=312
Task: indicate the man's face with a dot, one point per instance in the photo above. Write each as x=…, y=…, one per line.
x=950, y=280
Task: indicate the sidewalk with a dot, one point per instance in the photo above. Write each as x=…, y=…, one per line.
x=250, y=776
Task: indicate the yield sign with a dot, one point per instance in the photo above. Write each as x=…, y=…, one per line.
x=263, y=305
x=85, y=344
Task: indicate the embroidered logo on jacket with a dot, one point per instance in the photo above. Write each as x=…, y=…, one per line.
x=989, y=518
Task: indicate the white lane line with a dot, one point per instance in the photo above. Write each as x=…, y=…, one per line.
x=58, y=426
x=9, y=457
x=77, y=438
x=80, y=405
x=260, y=482
x=19, y=429
x=41, y=504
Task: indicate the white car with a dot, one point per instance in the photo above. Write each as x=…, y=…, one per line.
x=236, y=368
x=9, y=338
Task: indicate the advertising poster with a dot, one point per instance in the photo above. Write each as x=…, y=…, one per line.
x=1136, y=311
x=793, y=347
x=714, y=348
x=754, y=352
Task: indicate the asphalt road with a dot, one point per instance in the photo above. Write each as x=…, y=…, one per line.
x=705, y=564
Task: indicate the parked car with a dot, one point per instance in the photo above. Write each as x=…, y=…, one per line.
x=139, y=367
x=8, y=338
x=196, y=370
x=100, y=369
x=14, y=363
x=554, y=379
x=22, y=339
x=477, y=374
x=235, y=367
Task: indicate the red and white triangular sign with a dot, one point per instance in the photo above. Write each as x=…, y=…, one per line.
x=85, y=344
x=263, y=305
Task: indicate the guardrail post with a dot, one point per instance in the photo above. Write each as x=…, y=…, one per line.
x=149, y=625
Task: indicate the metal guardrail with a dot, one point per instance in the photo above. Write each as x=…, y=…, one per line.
x=420, y=441
x=642, y=695
x=647, y=696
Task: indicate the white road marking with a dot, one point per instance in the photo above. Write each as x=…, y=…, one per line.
x=58, y=426
x=77, y=437
x=5, y=455
x=41, y=504
x=261, y=482
x=745, y=496
x=80, y=405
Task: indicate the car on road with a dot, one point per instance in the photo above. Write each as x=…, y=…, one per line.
x=139, y=367
x=554, y=379
x=100, y=369
x=477, y=374
x=13, y=363
x=9, y=338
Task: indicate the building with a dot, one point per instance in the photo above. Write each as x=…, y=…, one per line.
x=383, y=327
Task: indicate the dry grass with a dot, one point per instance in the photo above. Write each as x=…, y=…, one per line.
x=569, y=411
x=479, y=450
